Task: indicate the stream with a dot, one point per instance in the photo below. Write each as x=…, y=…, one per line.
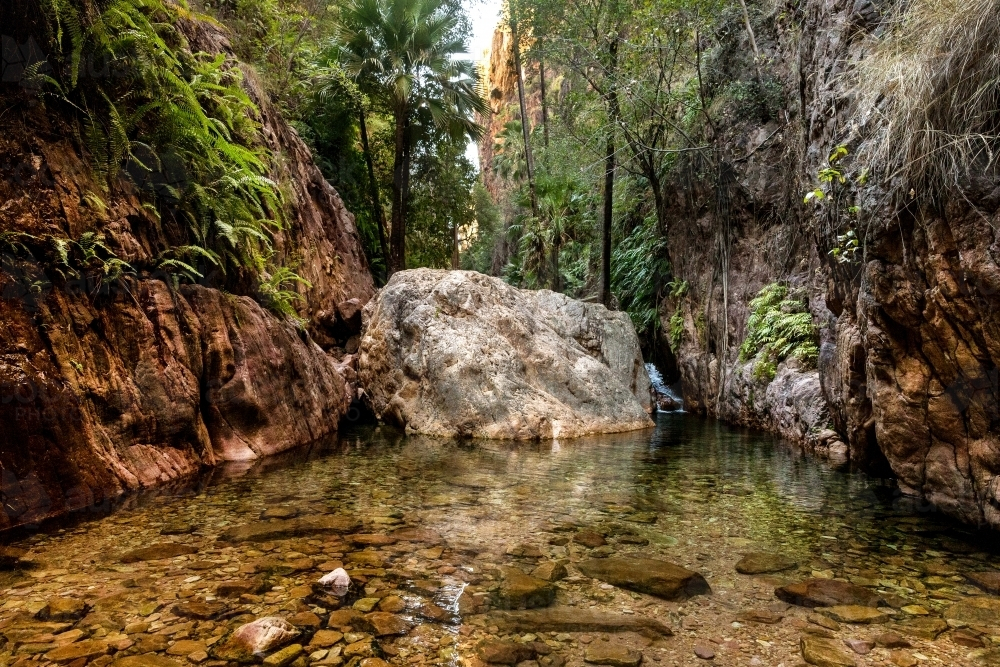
x=438, y=518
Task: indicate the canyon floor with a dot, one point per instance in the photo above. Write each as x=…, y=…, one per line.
x=444, y=540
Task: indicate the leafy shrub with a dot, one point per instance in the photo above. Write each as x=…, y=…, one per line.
x=86, y=260
x=780, y=326
x=757, y=100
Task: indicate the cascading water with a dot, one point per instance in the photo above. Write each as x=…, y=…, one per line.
x=665, y=399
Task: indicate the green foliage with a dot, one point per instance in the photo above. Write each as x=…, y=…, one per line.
x=276, y=292
x=756, y=100
x=638, y=262
x=846, y=250
x=676, y=332
x=779, y=327
x=482, y=242
x=677, y=289
x=830, y=176
x=87, y=260
x=178, y=124
x=440, y=201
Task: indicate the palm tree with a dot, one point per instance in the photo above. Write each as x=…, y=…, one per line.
x=403, y=53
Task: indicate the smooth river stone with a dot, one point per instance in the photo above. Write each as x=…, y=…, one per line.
x=146, y=660
x=10, y=557
x=382, y=624
x=827, y=593
x=611, y=654
x=198, y=610
x=925, y=628
x=157, y=552
x=853, y=613
x=824, y=652
x=988, y=581
x=766, y=616
x=764, y=563
x=573, y=619
x=983, y=610
x=505, y=652
x=647, y=575
x=551, y=570
x=265, y=531
x=253, y=639
x=522, y=591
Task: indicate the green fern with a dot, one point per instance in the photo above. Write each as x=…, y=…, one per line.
x=780, y=326
x=189, y=106
x=276, y=293
x=637, y=262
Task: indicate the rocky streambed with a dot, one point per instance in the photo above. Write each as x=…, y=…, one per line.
x=688, y=544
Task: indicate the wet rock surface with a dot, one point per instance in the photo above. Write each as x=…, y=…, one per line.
x=761, y=563
x=827, y=593
x=646, y=575
x=439, y=527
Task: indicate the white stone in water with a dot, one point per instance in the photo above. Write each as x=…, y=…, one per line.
x=338, y=580
x=265, y=634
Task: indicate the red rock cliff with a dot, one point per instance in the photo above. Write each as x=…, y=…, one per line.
x=109, y=391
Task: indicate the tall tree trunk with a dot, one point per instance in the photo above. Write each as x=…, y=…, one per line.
x=397, y=250
x=407, y=158
x=545, y=105
x=373, y=190
x=525, y=122
x=609, y=174
x=556, y=246
x=753, y=41
x=454, y=245
x=609, y=195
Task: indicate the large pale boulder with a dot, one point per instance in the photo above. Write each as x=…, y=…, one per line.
x=460, y=354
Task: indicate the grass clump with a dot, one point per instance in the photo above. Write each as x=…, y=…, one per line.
x=780, y=326
x=929, y=97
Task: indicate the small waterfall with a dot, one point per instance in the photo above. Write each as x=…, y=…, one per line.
x=664, y=397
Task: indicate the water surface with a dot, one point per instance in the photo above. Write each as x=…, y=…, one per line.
x=691, y=491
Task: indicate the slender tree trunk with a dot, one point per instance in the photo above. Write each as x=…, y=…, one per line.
x=609, y=195
x=545, y=105
x=556, y=246
x=525, y=122
x=753, y=40
x=397, y=251
x=407, y=158
x=609, y=175
x=455, y=260
x=373, y=190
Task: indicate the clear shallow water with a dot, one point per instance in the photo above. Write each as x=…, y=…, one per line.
x=701, y=493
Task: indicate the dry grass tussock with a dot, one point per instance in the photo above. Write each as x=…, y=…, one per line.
x=929, y=97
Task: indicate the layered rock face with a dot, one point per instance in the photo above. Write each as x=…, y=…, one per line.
x=113, y=387
x=907, y=372
x=457, y=353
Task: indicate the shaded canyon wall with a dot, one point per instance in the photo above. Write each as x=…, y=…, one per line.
x=109, y=388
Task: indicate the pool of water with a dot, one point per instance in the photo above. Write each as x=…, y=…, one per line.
x=691, y=491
